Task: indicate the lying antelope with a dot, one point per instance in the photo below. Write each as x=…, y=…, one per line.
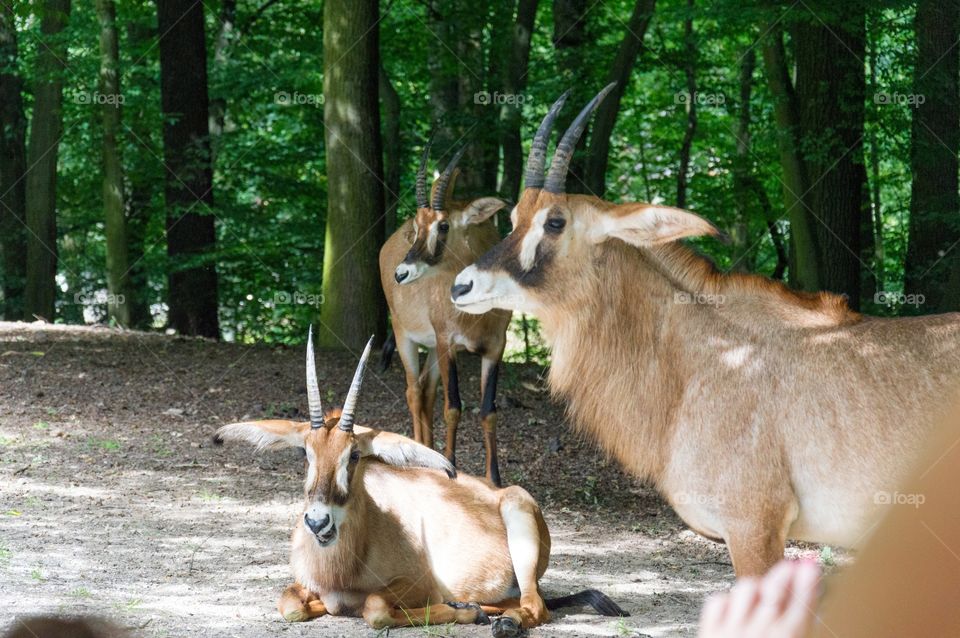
x=392, y=533
x=760, y=413
x=417, y=267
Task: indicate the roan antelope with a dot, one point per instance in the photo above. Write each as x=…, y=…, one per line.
x=417, y=267
x=760, y=413
x=390, y=532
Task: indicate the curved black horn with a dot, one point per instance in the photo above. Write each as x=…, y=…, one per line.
x=556, y=181
x=537, y=159
x=350, y=403
x=313, y=390
x=422, y=201
x=440, y=190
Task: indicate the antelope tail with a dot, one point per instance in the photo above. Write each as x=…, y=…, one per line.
x=386, y=355
x=600, y=602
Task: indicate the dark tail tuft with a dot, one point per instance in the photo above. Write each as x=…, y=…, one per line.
x=216, y=439
x=596, y=599
x=386, y=355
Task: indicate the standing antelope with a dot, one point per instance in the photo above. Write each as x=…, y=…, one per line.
x=392, y=533
x=760, y=413
x=417, y=267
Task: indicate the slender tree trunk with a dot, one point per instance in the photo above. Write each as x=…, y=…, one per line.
x=118, y=266
x=804, y=269
x=570, y=37
x=221, y=47
x=191, y=235
x=598, y=155
x=876, y=217
x=45, y=132
x=13, y=164
x=690, y=71
x=830, y=86
x=353, y=307
x=742, y=162
x=141, y=184
x=515, y=83
x=932, y=253
x=392, y=152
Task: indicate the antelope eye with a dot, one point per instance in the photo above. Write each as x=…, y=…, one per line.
x=354, y=456
x=444, y=227
x=556, y=224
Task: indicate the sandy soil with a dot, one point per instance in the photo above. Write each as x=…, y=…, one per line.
x=113, y=501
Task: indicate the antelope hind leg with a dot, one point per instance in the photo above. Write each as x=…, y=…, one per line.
x=379, y=612
x=520, y=516
x=296, y=604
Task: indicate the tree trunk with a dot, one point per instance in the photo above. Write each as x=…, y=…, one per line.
x=353, y=307
x=742, y=162
x=569, y=40
x=139, y=199
x=598, y=156
x=392, y=152
x=690, y=72
x=45, y=132
x=934, y=203
x=515, y=83
x=876, y=209
x=115, y=223
x=804, y=268
x=221, y=46
x=191, y=235
x=13, y=163
x=830, y=86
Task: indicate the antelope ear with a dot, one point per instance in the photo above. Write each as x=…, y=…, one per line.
x=395, y=449
x=649, y=225
x=480, y=210
x=266, y=435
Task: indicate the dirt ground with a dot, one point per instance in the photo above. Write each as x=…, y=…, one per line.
x=114, y=502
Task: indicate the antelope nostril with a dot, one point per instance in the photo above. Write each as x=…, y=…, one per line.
x=400, y=275
x=316, y=526
x=460, y=290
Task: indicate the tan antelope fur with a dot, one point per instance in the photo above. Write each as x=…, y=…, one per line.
x=391, y=533
x=417, y=267
x=760, y=413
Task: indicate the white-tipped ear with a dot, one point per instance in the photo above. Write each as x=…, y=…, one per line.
x=266, y=435
x=396, y=449
x=480, y=210
x=649, y=225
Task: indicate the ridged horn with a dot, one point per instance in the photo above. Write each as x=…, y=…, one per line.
x=422, y=200
x=537, y=159
x=440, y=190
x=350, y=403
x=313, y=390
x=556, y=181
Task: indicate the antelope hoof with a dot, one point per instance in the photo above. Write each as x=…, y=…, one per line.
x=296, y=615
x=505, y=627
x=482, y=617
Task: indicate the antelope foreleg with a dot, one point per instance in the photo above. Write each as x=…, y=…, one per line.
x=296, y=604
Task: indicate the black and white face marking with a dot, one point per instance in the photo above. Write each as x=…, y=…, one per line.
x=327, y=495
x=428, y=243
x=503, y=276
